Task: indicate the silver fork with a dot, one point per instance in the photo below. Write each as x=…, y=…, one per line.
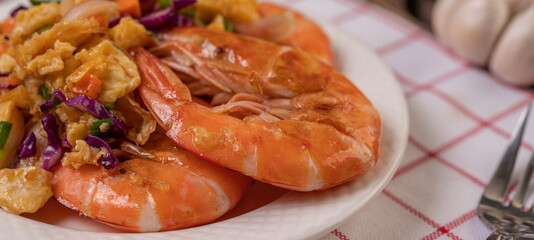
x=509, y=220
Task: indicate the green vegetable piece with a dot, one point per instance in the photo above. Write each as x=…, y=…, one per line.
x=41, y=30
x=44, y=92
x=102, y=128
x=37, y=2
x=228, y=26
x=165, y=3
x=55, y=103
x=5, y=128
x=109, y=106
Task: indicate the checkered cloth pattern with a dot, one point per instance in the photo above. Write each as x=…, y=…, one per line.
x=461, y=118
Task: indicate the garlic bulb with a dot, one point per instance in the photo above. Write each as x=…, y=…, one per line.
x=513, y=57
x=497, y=33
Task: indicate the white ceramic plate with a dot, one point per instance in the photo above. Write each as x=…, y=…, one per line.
x=265, y=212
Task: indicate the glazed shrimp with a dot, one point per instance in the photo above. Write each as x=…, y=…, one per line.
x=172, y=189
x=288, y=119
x=304, y=33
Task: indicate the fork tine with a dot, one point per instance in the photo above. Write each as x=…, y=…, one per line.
x=498, y=185
x=519, y=198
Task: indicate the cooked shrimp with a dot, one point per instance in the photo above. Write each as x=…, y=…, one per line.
x=166, y=188
x=289, y=119
x=292, y=30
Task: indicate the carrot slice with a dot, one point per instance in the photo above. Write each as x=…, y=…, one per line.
x=132, y=7
x=8, y=25
x=89, y=85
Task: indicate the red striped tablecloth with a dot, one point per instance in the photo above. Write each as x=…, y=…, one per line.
x=460, y=120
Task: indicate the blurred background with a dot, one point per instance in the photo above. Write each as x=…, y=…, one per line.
x=493, y=35
x=417, y=11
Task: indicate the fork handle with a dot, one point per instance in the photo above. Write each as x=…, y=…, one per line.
x=498, y=235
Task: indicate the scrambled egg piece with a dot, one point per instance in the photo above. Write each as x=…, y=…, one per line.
x=77, y=124
x=19, y=96
x=7, y=63
x=129, y=33
x=32, y=85
x=82, y=154
x=76, y=131
x=24, y=190
x=112, y=66
x=237, y=11
x=73, y=32
x=139, y=121
x=52, y=60
x=29, y=21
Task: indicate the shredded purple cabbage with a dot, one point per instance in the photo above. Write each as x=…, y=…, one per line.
x=16, y=10
x=114, y=22
x=7, y=86
x=178, y=20
x=49, y=104
x=108, y=160
x=156, y=20
x=53, y=152
x=28, y=146
x=87, y=104
x=159, y=19
x=65, y=143
x=180, y=4
x=121, y=127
